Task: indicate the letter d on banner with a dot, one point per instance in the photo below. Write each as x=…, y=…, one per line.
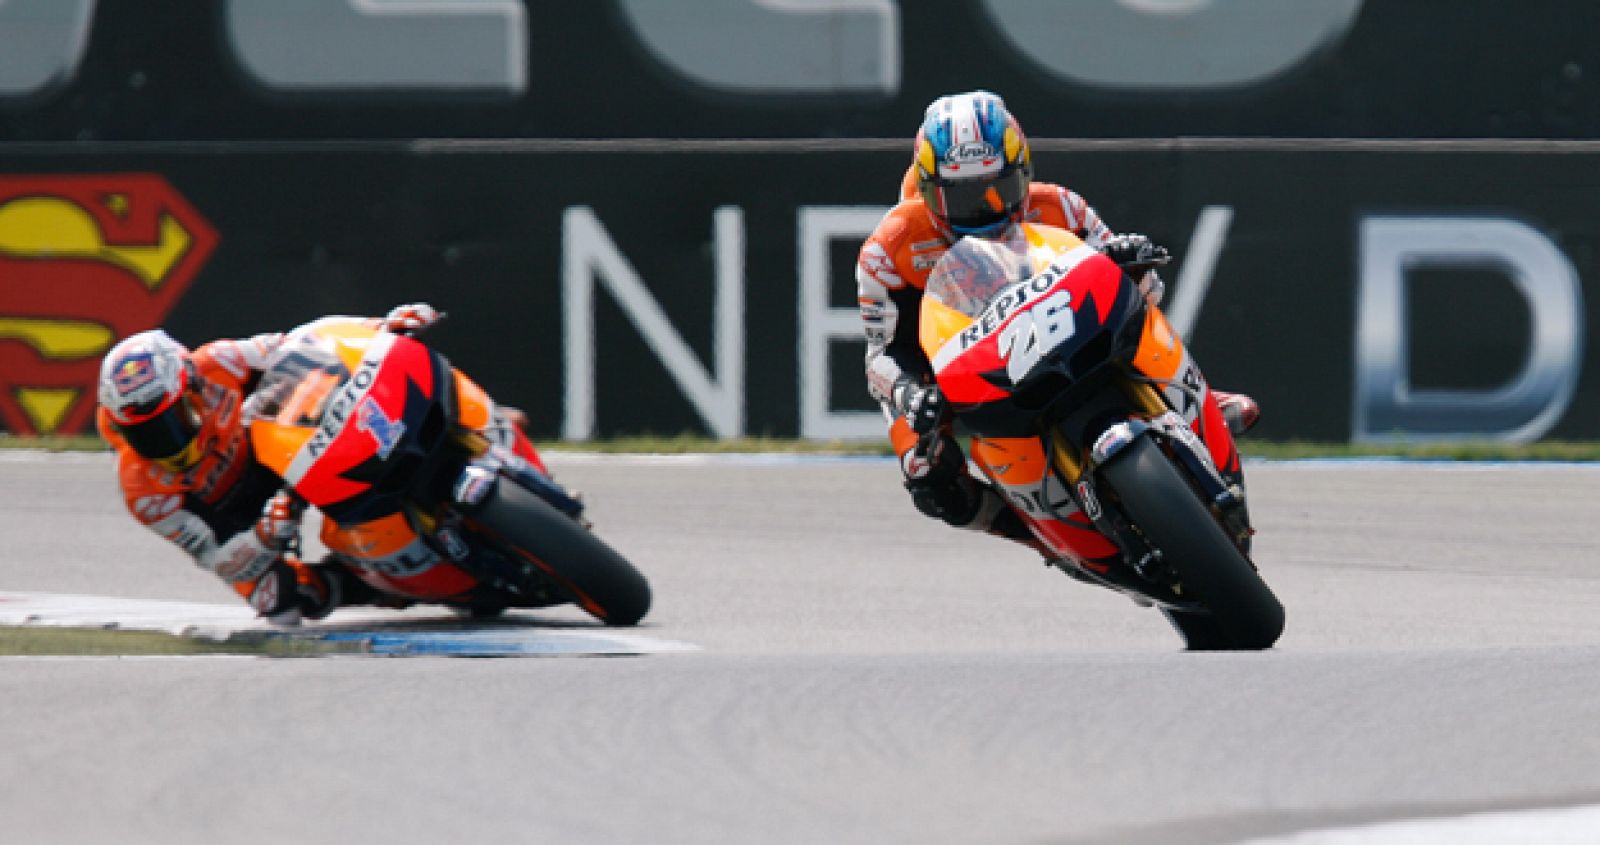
x=1386, y=408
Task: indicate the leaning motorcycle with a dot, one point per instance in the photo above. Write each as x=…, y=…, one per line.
x=1089, y=415
x=425, y=491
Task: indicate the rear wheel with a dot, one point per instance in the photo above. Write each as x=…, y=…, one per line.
x=1243, y=612
x=599, y=579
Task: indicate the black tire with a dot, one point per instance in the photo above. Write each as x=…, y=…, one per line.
x=1200, y=631
x=601, y=581
x=1244, y=614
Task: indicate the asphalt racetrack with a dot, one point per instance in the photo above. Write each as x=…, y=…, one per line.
x=863, y=675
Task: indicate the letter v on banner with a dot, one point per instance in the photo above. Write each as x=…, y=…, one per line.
x=588, y=255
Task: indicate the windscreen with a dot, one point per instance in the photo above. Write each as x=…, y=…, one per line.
x=974, y=271
x=302, y=376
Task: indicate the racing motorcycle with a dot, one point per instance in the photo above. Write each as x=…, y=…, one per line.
x=1088, y=414
x=426, y=491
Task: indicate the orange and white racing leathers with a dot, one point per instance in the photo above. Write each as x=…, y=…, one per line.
x=210, y=510
x=893, y=269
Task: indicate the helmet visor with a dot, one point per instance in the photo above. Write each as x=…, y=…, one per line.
x=170, y=436
x=977, y=205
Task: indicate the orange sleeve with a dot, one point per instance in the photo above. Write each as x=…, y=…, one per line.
x=908, y=184
x=221, y=362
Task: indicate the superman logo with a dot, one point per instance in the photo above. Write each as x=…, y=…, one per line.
x=84, y=261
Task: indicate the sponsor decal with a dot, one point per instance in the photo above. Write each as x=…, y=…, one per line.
x=265, y=595
x=1186, y=389
x=1091, y=503
x=229, y=357
x=246, y=562
x=86, y=260
x=341, y=409
x=152, y=508
x=875, y=262
x=225, y=402
x=972, y=158
x=192, y=538
x=137, y=372
x=385, y=432
x=1111, y=441
x=475, y=482
x=1020, y=296
x=1191, y=380
x=975, y=151
x=350, y=393
x=1006, y=304
x=215, y=470
x=414, y=561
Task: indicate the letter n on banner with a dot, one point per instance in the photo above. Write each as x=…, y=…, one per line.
x=588, y=255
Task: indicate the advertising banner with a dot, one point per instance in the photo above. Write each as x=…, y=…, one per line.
x=1359, y=292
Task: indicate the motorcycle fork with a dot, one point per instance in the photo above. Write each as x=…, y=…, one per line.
x=1223, y=496
x=1077, y=469
x=1142, y=573
x=516, y=468
x=1226, y=501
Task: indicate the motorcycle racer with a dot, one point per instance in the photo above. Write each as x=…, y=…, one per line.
x=186, y=469
x=971, y=174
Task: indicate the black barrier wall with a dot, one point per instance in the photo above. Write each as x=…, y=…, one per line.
x=1356, y=292
x=642, y=214
x=313, y=69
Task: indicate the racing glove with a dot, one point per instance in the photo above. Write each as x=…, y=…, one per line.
x=1139, y=257
x=291, y=591
x=935, y=470
x=411, y=318
x=939, y=484
x=279, y=523
x=922, y=405
x=1135, y=253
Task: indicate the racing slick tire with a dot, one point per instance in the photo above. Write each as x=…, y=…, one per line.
x=599, y=580
x=1243, y=613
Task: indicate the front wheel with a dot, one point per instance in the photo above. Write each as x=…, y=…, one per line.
x=1242, y=612
x=599, y=579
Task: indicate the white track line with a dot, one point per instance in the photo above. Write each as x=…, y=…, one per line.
x=430, y=631
x=1565, y=826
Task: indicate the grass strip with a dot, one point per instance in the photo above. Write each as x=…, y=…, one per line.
x=111, y=642
x=682, y=444
x=54, y=442
x=1466, y=450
